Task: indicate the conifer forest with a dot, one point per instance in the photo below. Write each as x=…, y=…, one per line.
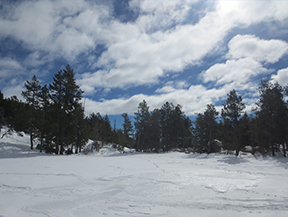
x=53, y=116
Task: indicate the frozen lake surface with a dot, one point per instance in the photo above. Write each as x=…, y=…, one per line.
x=134, y=184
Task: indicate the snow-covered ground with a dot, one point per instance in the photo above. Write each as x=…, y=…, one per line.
x=133, y=184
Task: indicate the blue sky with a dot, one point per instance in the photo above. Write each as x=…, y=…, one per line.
x=190, y=53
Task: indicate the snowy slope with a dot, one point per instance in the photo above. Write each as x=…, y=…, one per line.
x=170, y=184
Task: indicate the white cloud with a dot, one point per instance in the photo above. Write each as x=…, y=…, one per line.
x=14, y=88
x=194, y=99
x=247, y=54
x=248, y=12
x=10, y=68
x=281, y=77
x=270, y=51
x=239, y=70
x=137, y=53
x=137, y=56
x=161, y=41
x=160, y=15
x=57, y=27
x=143, y=56
x=10, y=63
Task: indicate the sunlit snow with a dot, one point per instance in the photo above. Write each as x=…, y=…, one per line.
x=110, y=183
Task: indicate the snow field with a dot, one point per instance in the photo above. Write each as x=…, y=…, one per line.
x=113, y=184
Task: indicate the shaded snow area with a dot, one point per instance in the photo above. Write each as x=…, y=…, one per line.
x=133, y=184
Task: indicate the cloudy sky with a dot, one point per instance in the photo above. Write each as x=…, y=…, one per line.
x=187, y=52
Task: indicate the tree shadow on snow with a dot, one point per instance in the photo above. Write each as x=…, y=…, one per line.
x=231, y=159
x=228, y=159
x=10, y=150
x=281, y=161
x=197, y=156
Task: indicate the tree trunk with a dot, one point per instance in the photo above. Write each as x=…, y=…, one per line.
x=273, y=151
x=284, y=149
x=31, y=141
x=237, y=151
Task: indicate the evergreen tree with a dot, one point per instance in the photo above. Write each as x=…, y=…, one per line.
x=200, y=138
x=210, y=116
x=127, y=130
x=31, y=96
x=142, y=117
x=106, y=132
x=205, y=129
x=66, y=96
x=245, y=132
x=2, y=120
x=233, y=109
x=44, y=122
x=15, y=114
x=272, y=117
x=154, y=131
x=167, y=126
x=93, y=122
x=181, y=128
x=99, y=128
x=81, y=128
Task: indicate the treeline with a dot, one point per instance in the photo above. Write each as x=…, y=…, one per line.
x=264, y=131
x=52, y=114
x=54, y=117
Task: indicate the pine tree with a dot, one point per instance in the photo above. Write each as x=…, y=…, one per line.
x=181, y=128
x=81, y=128
x=2, y=120
x=272, y=115
x=166, y=126
x=15, y=115
x=205, y=129
x=233, y=109
x=106, y=130
x=31, y=96
x=245, y=134
x=142, y=117
x=66, y=96
x=210, y=116
x=200, y=138
x=154, y=131
x=44, y=122
x=127, y=130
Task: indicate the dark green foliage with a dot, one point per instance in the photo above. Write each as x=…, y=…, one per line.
x=99, y=128
x=45, y=123
x=155, y=131
x=233, y=108
x=2, y=119
x=271, y=118
x=127, y=139
x=142, y=117
x=31, y=95
x=54, y=117
x=65, y=95
x=205, y=130
x=245, y=132
x=232, y=111
x=14, y=114
x=163, y=129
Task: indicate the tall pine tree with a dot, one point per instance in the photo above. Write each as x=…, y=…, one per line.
x=31, y=95
x=232, y=111
x=142, y=117
x=66, y=96
x=272, y=116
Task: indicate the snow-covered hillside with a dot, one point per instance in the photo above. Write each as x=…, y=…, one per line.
x=134, y=184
